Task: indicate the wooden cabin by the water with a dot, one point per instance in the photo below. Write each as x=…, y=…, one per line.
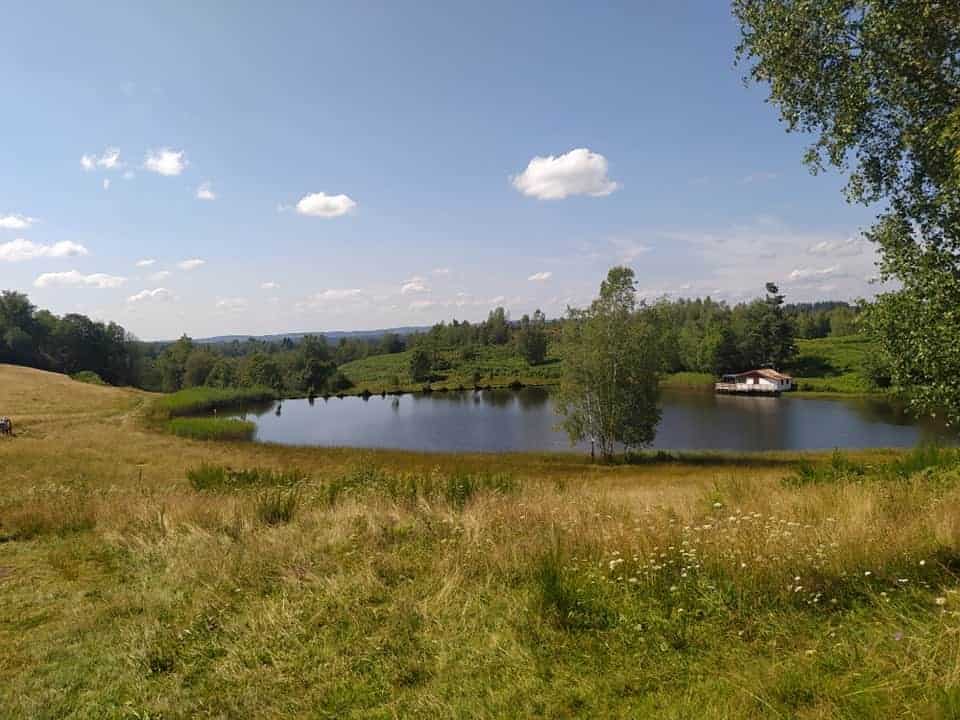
x=764, y=381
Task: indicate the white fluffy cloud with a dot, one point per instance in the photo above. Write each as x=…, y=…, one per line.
x=441, y=271
x=16, y=222
x=110, y=160
x=540, y=276
x=325, y=206
x=155, y=294
x=106, y=183
x=191, y=264
x=72, y=278
x=269, y=285
x=20, y=250
x=165, y=161
x=205, y=192
x=578, y=172
x=414, y=285
x=814, y=274
x=146, y=262
x=160, y=275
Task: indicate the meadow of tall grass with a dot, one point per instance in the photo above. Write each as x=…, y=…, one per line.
x=142, y=575
x=379, y=593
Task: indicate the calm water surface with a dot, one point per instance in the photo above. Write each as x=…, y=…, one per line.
x=506, y=420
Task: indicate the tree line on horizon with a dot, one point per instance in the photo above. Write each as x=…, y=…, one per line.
x=700, y=335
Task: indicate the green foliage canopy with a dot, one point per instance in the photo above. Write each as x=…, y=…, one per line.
x=877, y=83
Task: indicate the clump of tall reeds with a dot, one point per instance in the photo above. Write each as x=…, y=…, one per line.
x=199, y=400
x=199, y=428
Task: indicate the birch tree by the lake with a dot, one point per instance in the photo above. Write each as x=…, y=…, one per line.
x=609, y=390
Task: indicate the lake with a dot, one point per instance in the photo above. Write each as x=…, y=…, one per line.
x=524, y=420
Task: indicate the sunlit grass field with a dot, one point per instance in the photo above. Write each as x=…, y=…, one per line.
x=832, y=364
x=494, y=366
x=823, y=365
x=144, y=575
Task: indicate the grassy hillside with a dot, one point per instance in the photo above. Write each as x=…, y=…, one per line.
x=832, y=364
x=498, y=367
x=145, y=576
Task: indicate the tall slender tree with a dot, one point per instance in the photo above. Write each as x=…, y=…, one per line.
x=609, y=389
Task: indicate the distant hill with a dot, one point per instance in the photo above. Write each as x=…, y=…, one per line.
x=331, y=335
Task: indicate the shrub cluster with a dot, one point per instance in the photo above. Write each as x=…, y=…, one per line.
x=223, y=478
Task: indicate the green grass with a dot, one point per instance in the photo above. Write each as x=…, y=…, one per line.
x=201, y=400
x=277, y=506
x=498, y=366
x=220, y=478
x=691, y=380
x=832, y=365
x=456, y=488
x=825, y=365
x=89, y=377
x=202, y=428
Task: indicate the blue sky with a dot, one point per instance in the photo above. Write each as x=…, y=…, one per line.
x=361, y=165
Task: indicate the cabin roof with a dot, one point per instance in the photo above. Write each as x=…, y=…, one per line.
x=768, y=373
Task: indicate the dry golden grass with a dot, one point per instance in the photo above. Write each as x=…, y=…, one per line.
x=703, y=588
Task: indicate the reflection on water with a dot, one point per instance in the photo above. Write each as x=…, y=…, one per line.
x=503, y=420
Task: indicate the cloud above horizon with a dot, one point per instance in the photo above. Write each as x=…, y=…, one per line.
x=844, y=247
x=110, y=160
x=414, y=285
x=337, y=294
x=578, y=172
x=155, y=294
x=20, y=250
x=325, y=206
x=191, y=264
x=16, y=222
x=165, y=161
x=814, y=274
x=540, y=276
x=205, y=192
x=233, y=304
x=73, y=278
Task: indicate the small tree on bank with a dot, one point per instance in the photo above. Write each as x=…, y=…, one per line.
x=532, y=338
x=420, y=365
x=611, y=353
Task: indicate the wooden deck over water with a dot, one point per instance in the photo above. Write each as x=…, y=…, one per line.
x=743, y=389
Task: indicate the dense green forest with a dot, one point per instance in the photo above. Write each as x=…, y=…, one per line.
x=699, y=336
